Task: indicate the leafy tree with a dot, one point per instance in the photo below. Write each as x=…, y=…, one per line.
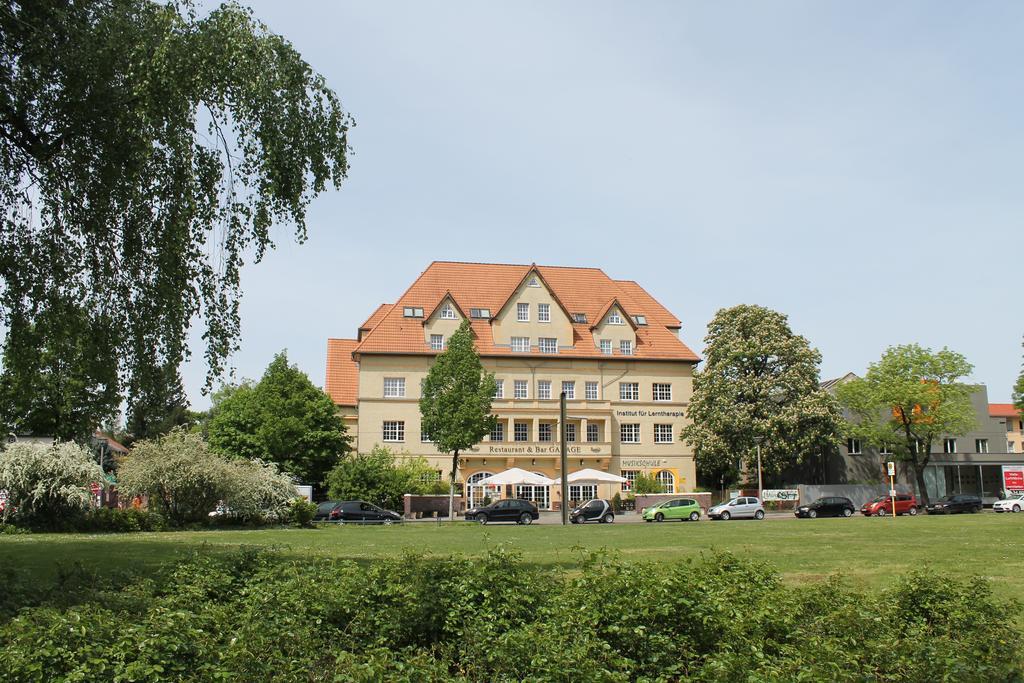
x=645, y=484
x=909, y=399
x=1018, y=392
x=159, y=404
x=46, y=484
x=760, y=379
x=145, y=153
x=378, y=478
x=455, y=405
x=284, y=419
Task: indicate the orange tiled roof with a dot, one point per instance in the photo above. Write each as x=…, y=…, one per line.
x=342, y=383
x=375, y=317
x=1003, y=410
x=489, y=285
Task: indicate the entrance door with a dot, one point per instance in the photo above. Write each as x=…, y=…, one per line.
x=538, y=495
x=475, y=493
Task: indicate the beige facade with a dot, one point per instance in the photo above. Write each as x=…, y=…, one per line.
x=625, y=407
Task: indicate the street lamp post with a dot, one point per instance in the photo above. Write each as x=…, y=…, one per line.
x=760, y=485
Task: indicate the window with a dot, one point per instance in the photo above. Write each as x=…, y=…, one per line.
x=521, y=389
x=437, y=342
x=662, y=392
x=640, y=319
x=662, y=433
x=498, y=431
x=629, y=391
x=592, y=433
x=592, y=394
x=949, y=445
x=447, y=312
x=521, y=344
x=853, y=446
x=579, y=317
x=523, y=313
x=533, y=282
x=570, y=433
x=582, y=492
x=629, y=433
x=885, y=450
x=425, y=436
x=499, y=388
x=394, y=431
x=1009, y=447
x=543, y=313
x=569, y=388
x=630, y=477
x=394, y=387
x=544, y=431
x=544, y=389
x=667, y=480
x=479, y=313
x=626, y=347
x=606, y=346
x=981, y=445
x=614, y=318
x=522, y=431
x=412, y=312
x=547, y=345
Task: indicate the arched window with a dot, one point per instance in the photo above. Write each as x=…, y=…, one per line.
x=475, y=493
x=667, y=480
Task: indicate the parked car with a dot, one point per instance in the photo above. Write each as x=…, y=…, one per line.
x=955, y=503
x=354, y=512
x=678, y=508
x=508, y=510
x=744, y=506
x=598, y=509
x=1010, y=504
x=828, y=506
x=906, y=504
x=328, y=511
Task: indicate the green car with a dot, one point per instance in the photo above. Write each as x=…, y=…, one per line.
x=679, y=508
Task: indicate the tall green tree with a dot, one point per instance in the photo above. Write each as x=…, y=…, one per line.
x=158, y=404
x=760, y=380
x=145, y=153
x=908, y=400
x=455, y=404
x=1018, y=391
x=284, y=419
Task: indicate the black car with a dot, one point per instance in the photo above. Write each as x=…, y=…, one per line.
x=354, y=512
x=955, y=503
x=597, y=509
x=508, y=510
x=830, y=506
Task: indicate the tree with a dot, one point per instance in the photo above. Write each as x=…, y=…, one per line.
x=455, y=404
x=284, y=419
x=376, y=477
x=145, y=153
x=907, y=400
x=46, y=484
x=760, y=380
x=159, y=404
x=1018, y=391
x=645, y=484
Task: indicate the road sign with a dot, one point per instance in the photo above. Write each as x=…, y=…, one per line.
x=95, y=488
x=891, y=467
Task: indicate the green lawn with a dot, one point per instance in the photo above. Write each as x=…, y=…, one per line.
x=866, y=551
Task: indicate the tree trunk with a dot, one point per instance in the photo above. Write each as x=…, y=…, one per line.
x=451, y=487
x=919, y=475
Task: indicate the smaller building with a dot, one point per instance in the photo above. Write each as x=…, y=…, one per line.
x=1014, y=422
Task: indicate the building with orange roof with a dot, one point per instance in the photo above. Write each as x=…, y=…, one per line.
x=608, y=343
x=1014, y=421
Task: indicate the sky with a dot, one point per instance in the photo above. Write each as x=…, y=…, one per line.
x=854, y=165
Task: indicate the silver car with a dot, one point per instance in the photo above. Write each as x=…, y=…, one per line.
x=1009, y=504
x=742, y=507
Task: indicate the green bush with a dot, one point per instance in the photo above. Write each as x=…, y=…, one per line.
x=301, y=512
x=256, y=616
x=119, y=521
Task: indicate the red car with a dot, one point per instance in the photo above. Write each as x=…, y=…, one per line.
x=906, y=504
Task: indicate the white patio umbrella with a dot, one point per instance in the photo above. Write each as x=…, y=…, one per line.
x=514, y=476
x=592, y=476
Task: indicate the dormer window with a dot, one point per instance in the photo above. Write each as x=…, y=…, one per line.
x=480, y=313
x=579, y=317
x=640, y=319
x=533, y=282
x=447, y=312
x=412, y=312
x=614, y=318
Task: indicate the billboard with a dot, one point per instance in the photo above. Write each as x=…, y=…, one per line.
x=1013, y=479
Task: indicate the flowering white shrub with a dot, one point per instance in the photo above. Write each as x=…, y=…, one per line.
x=46, y=483
x=259, y=489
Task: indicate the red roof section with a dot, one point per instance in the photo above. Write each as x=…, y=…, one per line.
x=489, y=285
x=342, y=383
x=1003, y=410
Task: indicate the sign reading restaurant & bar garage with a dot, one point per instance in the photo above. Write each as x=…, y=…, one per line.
x=542, y=449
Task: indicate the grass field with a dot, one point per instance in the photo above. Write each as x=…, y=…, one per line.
x=867, y=552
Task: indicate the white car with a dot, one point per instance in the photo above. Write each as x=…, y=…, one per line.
x=744, y=506
x=1011, y=504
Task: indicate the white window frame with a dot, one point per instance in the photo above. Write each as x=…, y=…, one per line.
x=447, y=312
x=640, y=319
x=396, y=429
x=661, y=391
x=660, y=431
x=853, y=446
x=606, y=346
x=582, y=492
x=570, y=432
x=885, y=450
x=543, y=313
x=499, y=388
x=412, y=312
x=547, y=345
x=523, y=384
x=545, y=432
x=523, y=312
x=981, y=445
x=569, y=387
x=592, y=431
x=543, y=390
x=626, y=347
x=498, y=430
x=629, y=391
x=668, y=486
x=630, y=477
x=594, y=395
x=614, y=318
x=394, y=387
x=437, y=342
x=949, y=446
x=630, y=429
x=525, y=432
x=424, y=436
x=520, y=344
x=1009, y=446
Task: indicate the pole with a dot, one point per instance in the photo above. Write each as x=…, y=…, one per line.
x=565, y=461
x=891, y=466
x=760, y=487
